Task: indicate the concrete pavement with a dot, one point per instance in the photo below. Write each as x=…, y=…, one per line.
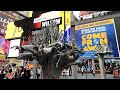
x=89, y=76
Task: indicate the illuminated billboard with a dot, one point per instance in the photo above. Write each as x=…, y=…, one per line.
x=56, y=16
x=93, y=35
x=80, y=15
x=4, y=45
x=26, y=13
x=13, y=31
x=5, y=18
x=2, y=57
x=48, y=16
x=15, y=61
x=12, y=51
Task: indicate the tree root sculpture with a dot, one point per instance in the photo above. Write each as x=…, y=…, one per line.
x=53, y=59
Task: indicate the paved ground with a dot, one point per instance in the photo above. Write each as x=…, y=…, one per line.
x=89, y=76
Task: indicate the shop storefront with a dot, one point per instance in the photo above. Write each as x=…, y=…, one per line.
x=15, y=61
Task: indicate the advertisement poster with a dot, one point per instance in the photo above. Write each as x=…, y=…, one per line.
x=95, y=35
x=13, y=32
x=2, y=58
x=4, y=45
x=26, y=13
x=12, y=51
x=40, y=21
x=5, y=18
x=56, y=16
x=44, y=19
x=80, y=15
x=84, y=14
x=15, y=61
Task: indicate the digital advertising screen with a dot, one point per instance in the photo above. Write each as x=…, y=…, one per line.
x=2, y=58
x=5, y=18
x=4, y=45
x=12, y=51
x=13, y=32
x=44, y=20
x=88, y=14
x=95, y=35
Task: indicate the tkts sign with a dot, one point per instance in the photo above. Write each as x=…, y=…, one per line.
x=45, y=23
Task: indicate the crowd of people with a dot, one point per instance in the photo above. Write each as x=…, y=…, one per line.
x=108, y=66
x=18, y=72
x=11, y=71
x=85, y=67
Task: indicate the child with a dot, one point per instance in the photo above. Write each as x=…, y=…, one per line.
x=82, y=70
x=93, y=72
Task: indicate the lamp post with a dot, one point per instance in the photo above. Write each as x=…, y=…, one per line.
x=35, y=64
x=74, y=67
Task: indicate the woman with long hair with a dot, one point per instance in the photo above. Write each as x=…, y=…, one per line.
x=10, y=74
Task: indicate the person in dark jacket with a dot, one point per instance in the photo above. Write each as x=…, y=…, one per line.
x=28, y=74
x=22, y=72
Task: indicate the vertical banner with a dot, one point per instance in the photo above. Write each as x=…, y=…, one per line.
x=67, y=28
x=93, y=36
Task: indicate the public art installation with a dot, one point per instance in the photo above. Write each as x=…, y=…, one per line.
x=53, y=59
x=54, y=56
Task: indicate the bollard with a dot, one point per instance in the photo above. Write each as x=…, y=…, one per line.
x=35, y=63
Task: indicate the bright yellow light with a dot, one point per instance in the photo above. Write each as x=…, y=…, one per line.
x=13, y=31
